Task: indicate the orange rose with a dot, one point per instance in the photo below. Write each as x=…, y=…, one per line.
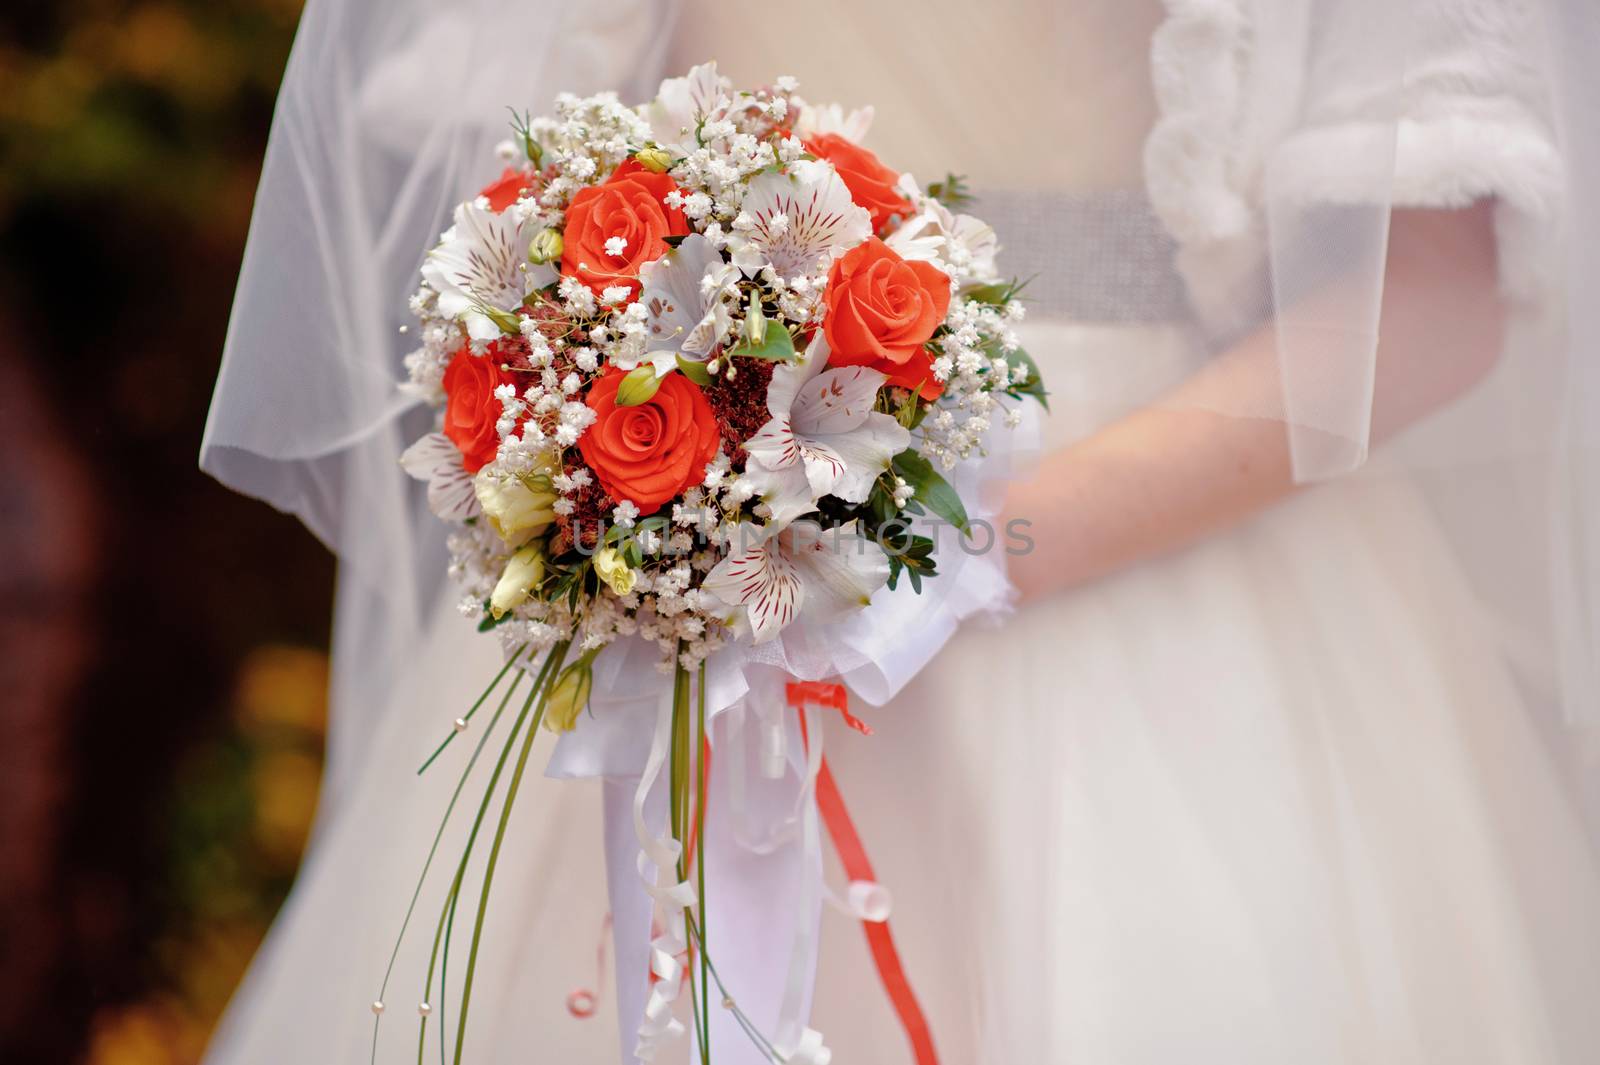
x=507, y=189
x=649, y=453
x=471, y=409
x=871, y=184
x=630, y=206
x=881, y=310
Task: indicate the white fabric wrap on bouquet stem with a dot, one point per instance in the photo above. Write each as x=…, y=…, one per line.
x=763, y=854
x=763, y=845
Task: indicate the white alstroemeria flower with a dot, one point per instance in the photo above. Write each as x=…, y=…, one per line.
x=937, y=235
x=682, y=294
x=797, y=222
x=824, y=437
x=436, y=460
x=779, y=574
x=681, y=104
x=831, y=118
x=481, y=269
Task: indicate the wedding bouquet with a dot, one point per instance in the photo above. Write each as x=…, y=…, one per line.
x=703, y=368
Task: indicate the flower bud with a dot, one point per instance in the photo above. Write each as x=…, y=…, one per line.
x=611, y=567
x=546, y=246
x=517, y=507
x=654, y=158
x=508, y=322
x=569, y=696
x=755, y=323
x=638, y=387
x=523, y=570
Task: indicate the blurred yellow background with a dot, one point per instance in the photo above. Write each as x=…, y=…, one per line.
x=161, y=640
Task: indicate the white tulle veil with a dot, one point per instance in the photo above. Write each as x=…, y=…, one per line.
x=1276, y=217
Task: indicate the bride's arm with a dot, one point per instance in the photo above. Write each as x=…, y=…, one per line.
x=1171, y=473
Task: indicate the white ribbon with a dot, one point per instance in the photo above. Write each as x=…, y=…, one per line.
x=658, y=862
x=773, y=755
x=797, y=1043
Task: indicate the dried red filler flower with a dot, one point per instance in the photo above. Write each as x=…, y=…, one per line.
x=740, y=404
x=591, y=508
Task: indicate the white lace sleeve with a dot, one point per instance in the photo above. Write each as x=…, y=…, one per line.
x=1289, y=96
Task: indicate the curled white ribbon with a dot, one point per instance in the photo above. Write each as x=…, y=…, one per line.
x=864, y=900
x=810, y=1050
x=795, y=1042
x=657, y=863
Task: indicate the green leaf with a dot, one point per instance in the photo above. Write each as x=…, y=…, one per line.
x=998, y=294
x=1034, y=386
x=638, y=387
x=694, y=371
x=489, y=621
x=952, y=191
x=912, y=410
x=880, y=501
x=776, y=346
x=932, y=490
x=655, y=523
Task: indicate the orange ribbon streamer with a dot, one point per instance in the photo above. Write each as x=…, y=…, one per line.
x=857, y=866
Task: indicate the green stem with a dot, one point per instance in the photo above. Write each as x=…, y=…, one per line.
x=743, y=1020
x=477, y=823
x=557, y=654
x=700, y=864
x=444, y=983
x=438, y=835
x=515, y=655
x=678, y=800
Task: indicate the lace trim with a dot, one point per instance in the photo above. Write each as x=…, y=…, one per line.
x=1199, y=58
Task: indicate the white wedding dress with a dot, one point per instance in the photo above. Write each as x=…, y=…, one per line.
x=1276, y=798
x=1282, y=798
x=1179, y=823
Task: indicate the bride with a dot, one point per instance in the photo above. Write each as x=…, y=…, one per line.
x=1279, y=757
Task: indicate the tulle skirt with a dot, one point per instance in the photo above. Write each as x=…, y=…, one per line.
x=1276, y=798
x=308, y=995
x=1273, y=799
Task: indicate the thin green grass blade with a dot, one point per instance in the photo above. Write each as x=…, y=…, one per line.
x=557, y=655
x=515, y=657
x=444, y=978
x=433, y=850
x=740, y=1017
x=700, y=863
x=477, y=823
x=427, y=988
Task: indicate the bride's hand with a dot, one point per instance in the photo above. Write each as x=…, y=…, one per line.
x=1175, y=471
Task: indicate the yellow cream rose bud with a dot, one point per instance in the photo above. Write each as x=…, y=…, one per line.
x=523, y=570
x=611, y=567
x=546, y=247
x=517, y=508
x=654, y=158
x=569, y=696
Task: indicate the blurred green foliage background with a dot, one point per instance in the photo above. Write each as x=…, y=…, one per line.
x=161, y=640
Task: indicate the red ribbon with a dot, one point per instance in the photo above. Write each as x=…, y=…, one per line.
x=857, y=866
